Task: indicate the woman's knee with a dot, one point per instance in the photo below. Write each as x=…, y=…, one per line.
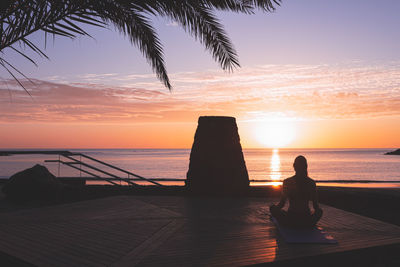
x=274, y=210
x=272, y=207
x=317, y=215
x=319, y=212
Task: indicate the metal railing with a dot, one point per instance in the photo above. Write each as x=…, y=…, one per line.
x=89, y=168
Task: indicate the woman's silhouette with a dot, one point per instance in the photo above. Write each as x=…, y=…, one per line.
x=299, y=189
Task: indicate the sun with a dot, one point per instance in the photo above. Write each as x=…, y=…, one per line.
x=275, y=134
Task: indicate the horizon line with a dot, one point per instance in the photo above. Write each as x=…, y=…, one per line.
x=272, y=148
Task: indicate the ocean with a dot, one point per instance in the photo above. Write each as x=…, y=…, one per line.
x=262, y=164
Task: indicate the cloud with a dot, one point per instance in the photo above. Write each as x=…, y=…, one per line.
x=301, y=91
x=172, y=24
x=53, y=102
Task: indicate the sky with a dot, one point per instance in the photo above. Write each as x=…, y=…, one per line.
x=314, y=74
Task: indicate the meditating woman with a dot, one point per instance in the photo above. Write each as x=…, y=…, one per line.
x=299, y=189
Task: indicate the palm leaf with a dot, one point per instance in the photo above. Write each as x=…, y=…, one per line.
x=19, y=19
x=135, y=25
x=203, y=25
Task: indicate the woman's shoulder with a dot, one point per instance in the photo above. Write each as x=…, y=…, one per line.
x=289, y=180
x=292, y=180
x=311, y=181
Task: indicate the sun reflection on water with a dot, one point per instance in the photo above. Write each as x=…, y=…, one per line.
x=275, y=166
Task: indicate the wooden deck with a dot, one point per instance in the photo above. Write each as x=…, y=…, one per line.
x=168, y=230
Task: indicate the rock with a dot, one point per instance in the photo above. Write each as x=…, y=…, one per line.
x=216, y=160
x=35, y=183
x=396, y=152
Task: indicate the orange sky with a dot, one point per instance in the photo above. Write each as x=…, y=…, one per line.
x=324, y=106
x=313, y=74
x=309, y=134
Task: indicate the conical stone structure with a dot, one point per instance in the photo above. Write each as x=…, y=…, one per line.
x=216, y=160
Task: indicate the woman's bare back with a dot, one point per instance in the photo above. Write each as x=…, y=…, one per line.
x=299, y=190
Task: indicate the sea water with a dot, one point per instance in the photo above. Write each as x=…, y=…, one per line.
x=262, y=164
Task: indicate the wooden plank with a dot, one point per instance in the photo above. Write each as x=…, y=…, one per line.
x=142, y=251
x=169, y=230
x=245, y=246
x=68, y=234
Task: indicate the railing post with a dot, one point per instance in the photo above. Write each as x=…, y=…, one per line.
x=80, y=166
x=59, y=158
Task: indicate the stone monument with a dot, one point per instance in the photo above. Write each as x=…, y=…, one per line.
x=216, y=161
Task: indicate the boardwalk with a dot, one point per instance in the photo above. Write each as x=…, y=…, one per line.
x=168, y=230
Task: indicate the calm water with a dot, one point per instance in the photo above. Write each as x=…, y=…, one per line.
x=324, y=164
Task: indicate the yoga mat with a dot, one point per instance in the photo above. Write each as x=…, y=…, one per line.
x=314, y=235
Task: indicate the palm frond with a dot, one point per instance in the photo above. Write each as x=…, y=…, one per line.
x=20, y=18
x=199, y=21
x=4, y=64
x=137, y=27
x=266, y=5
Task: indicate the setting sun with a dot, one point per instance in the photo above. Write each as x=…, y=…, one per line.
x=275, y=134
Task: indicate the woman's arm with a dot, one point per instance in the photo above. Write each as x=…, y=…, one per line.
x=282, y=202
x=315, y=199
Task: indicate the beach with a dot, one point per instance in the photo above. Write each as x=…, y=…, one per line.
x=378, y=203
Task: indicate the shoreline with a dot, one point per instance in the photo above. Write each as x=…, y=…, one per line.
x=89, y=181
x=379, y=203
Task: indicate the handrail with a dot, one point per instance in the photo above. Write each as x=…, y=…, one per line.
x=69, y=164
x=70, y=155
x=116, y=168
x=96, y=169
